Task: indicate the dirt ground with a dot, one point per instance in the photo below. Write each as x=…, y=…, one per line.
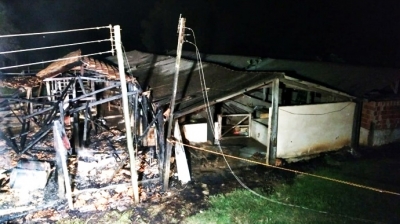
x=210, y=176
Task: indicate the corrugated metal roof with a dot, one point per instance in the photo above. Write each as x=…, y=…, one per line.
x=357, y=81
x=241, y=73
x=157, y=73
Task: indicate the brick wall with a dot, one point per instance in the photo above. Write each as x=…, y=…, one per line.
x=381, y=115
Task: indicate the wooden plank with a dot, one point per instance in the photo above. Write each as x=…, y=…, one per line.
x=180, y=156
x=61, y=144
x=274, y=122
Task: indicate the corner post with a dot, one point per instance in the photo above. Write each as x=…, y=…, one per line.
x=274, y=122
x=181, y=31
x=355, y=135
x=125, y=107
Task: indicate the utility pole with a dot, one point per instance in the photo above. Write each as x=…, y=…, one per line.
x=181, y=34
x=125, y=108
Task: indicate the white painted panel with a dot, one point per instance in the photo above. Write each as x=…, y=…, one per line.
x=181, y=162
x=259, y=130
x=310, y=129
x=195, y=132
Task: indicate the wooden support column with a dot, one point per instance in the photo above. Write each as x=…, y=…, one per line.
x=75, y=131
x=274, y=122
x=355, y=135
x=181, y=30
x=48, y=91
x=125, y=107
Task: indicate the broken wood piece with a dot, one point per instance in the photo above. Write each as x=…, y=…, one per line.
x=30, y=175
x=181, y=162
x=61, y=146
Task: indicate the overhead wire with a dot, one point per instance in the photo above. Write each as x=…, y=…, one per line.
x=55, y=46
x=211, y=121
x=54, y=60
x=55, y=32
x=58, y=46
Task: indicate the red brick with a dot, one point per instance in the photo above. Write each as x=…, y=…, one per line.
x=368, y=107
x=365, y=125
x=372, y=104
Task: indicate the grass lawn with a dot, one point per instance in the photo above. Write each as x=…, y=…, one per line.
x=305, y=199
x=330, y=202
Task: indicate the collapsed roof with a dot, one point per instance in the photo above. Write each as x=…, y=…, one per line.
x=228, y=76
x=75, y=61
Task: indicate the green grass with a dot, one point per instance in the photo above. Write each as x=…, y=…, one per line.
x=342, y=203
x=316, y=200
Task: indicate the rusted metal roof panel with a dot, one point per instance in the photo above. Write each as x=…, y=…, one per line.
x=68, y=62
x=74, y=62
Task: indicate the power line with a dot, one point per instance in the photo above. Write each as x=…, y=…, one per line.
x=60, y=59
x=55, y=46
x=55, y=32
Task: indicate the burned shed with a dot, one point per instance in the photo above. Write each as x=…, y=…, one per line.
x=75, y=105
x=286, y=110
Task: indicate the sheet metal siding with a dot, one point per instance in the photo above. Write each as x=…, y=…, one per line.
x=310, y=129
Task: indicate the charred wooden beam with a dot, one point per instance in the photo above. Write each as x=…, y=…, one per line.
x=37, y=137
x=94, y=92
x=144, y=134
x=160, y=136
x=25, y=128
x=92, y=104
x=239, y=105
x=81, y=85
x=85, y=124
x=39, y=112
x=9, y=141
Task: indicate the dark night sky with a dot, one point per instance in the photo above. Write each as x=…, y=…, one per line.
x=351, y=31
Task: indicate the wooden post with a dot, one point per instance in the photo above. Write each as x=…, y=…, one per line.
x=355, y=135
x=181, y=31
x=85, y=124
x=48, y=90
x=75, y=130
x=125, y=107
x=274, y=122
